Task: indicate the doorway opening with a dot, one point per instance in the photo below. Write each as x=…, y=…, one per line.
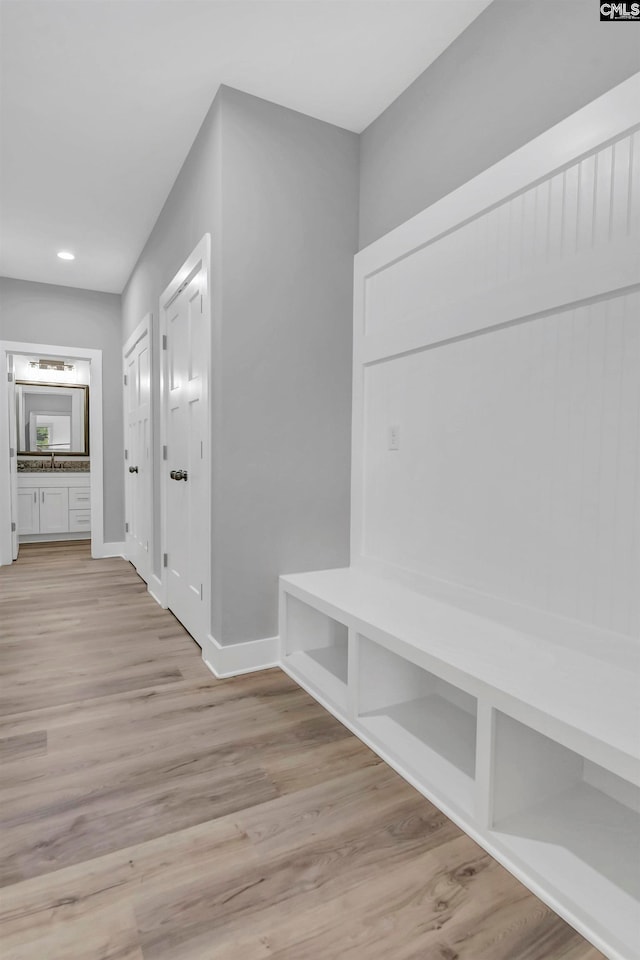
x=51, y=447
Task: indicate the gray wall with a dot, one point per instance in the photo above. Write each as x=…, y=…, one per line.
x=289, y=229
x=278, y=192
x=191, y=210
x=69, y=317
x=521, y=67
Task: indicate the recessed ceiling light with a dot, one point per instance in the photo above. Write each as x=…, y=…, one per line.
x=66, y=255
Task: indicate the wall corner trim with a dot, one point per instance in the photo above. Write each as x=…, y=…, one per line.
x=235, y=659
x=115, y=549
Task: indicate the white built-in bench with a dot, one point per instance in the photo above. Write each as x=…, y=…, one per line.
x=527, y=738
x=496, y=387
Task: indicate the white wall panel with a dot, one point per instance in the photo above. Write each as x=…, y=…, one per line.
x=518, y=468
x=586, y=206
x=507, y=352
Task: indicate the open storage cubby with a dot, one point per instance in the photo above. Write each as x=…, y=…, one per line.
x=434, y=690
x=425, y=723
x=317, y=648
x=574, y=824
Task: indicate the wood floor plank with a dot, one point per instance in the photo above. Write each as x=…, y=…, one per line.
x=159, y=864
x=292, y=770
x=151, y=811
x=21, y=696
x=132, y=706
x=115, y=818
x=156, y=756
x=109, y=934
x=365, y=920
x=324, y=868
x=23, y=745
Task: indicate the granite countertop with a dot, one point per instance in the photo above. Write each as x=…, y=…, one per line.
x=44, y=466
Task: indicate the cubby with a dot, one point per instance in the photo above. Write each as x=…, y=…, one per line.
x=425, y=723
x=539, y=764
x=574, y=824
x=317, y=649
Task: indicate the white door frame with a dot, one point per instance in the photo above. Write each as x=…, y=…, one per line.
x=144, y=328
x=96, y=452
x=14, y=442
x=199, y=259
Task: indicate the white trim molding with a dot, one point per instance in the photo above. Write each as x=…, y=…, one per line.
x=115, y=549
x=235, y=658
x=156, y=589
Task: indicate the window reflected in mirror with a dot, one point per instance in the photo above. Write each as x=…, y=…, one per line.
x=52, y=418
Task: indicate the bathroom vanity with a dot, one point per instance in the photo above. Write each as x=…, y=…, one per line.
x=54, y=505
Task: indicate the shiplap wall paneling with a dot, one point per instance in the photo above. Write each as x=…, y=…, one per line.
x=592, y=204
x=516, y=473
x=507, y=355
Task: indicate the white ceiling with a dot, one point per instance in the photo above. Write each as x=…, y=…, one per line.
x=101, y=101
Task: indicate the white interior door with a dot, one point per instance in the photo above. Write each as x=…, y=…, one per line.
x=138, y=479
x=186, y=506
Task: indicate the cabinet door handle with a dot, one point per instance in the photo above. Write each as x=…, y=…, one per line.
x=43, y=496
x=35, y=496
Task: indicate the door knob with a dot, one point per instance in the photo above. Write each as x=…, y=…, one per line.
x=178, y=474
x=133, y=469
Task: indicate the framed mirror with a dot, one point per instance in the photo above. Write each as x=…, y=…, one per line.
x=52, y=418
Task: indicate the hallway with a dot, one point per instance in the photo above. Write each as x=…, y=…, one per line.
x=151, y=812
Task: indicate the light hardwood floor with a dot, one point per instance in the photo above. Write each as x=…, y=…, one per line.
x=151, y=812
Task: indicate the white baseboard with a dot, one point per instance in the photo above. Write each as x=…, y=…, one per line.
x=237, y=658
x=154, y=587
x=51, y=537
x=110, y=550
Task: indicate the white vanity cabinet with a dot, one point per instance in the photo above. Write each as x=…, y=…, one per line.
x=54, y=510
x=53, y=503
x=28, y=511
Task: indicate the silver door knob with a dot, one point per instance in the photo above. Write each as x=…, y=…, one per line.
x=133, y=469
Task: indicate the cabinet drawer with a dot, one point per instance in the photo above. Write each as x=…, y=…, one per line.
x=79, y=498
x=79, y=519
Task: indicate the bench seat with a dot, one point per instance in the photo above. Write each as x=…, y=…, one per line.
x=522, y=726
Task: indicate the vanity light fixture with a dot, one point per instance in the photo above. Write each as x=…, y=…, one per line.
x=59, y=365
x=66, y=255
